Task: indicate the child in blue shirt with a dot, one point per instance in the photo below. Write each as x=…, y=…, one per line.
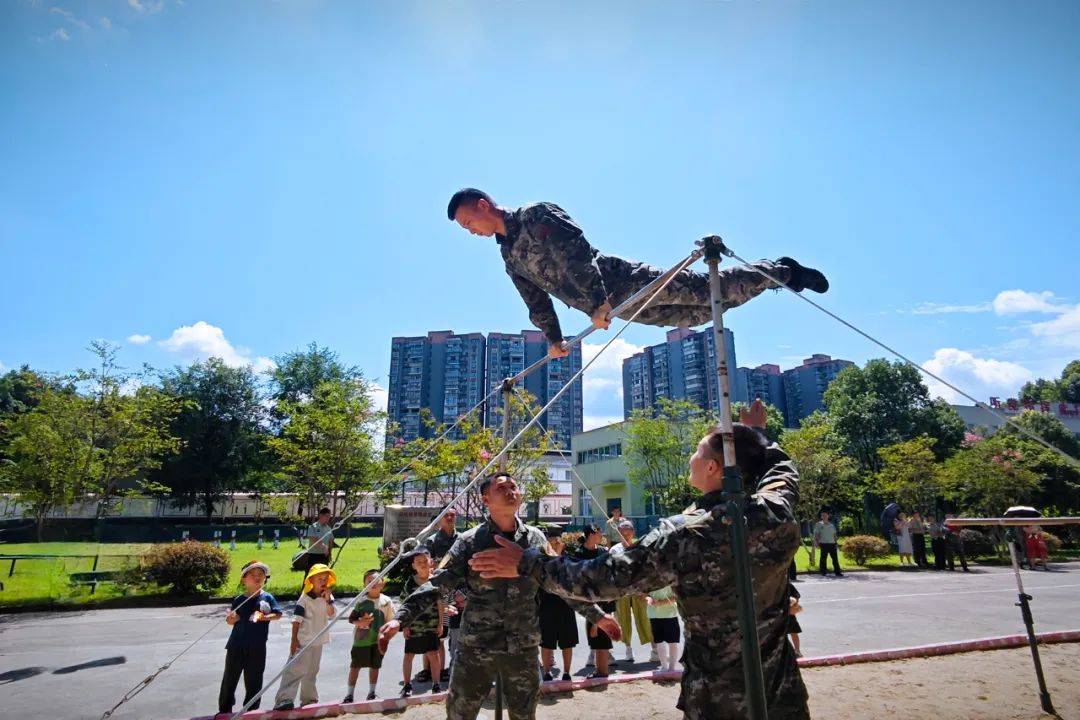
x=245, y=652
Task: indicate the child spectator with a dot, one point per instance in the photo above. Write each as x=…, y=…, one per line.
x=1035, y=545
x=558, y=626
x=599, y=641
x=422, y=635
x=793, y=628
x=245, y=652
x=368, y=616
x=664, y=622
x=312, y=613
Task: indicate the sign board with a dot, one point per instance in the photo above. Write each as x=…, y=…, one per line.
x=405, y=521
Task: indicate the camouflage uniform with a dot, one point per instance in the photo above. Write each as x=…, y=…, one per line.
x=692, y=553
x=500, y=627
x=546, y=254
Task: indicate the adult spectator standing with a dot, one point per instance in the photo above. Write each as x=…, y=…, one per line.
x=825, y=540
x=632, y=610
x=954, y=545
x=442, y=540
x=611, y=532
x=937, y=543
x=918, y=538
x=319, y=536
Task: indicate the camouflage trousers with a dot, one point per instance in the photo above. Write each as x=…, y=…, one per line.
x=686, y=301
x=474, y=672
x=709, y=693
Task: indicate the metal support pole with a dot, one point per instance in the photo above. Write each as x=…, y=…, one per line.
x=1029, y=624
x=504, y=460
x=736, y=498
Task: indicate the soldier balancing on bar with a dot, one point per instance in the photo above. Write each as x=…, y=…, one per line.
x=546, y=254
x=500, y=626
x=692, y=553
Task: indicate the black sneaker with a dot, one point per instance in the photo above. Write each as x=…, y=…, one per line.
x=804, y=278
x=444, y=676
x=423, y=676
x=547, y=676
x=347, y=699
x=287, y=705
x=406, y=690
x=436, y=688
x=371, y=695
x=566, y=677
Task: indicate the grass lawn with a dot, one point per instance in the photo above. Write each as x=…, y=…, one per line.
x=46, y=580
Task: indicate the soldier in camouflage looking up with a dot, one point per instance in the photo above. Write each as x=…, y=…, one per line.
x=546, y=254
x=692, y=553
x=500, y=626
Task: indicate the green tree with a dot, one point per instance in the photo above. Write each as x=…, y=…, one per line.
x=885, y=403
x=220, y=430
x=296, y=374
x=19, y=392
x=909, y=474
x=128, y=430
x=326, y=445
x=989, y=476
x=658, y=447
x=47, y=454
x=1063, y=389
x=1059, y=480
x=827, y=477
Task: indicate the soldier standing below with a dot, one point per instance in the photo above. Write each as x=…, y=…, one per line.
x=546, y=254
x=692, y=553
x=500, y=628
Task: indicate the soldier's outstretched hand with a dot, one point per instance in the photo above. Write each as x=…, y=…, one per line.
x=610, y=626
x=500, y=562
x=387, y=631
x=600, y=318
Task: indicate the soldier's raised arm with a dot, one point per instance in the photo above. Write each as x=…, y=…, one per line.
x=777, y=493
x=541, y=310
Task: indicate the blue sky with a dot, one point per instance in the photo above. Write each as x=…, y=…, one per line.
x=243, y=178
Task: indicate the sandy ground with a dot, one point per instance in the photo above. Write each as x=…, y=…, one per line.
x=994, y=685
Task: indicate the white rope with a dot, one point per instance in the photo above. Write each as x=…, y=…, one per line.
x=1034, y=436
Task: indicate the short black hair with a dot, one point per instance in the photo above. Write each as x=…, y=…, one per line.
x=750, y=450
x=324, y=511
x=590, y=529
x=492, y=478
x=369, y=573
x=465, y=195
x=553, y=531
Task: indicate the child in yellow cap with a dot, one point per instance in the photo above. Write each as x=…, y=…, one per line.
x=313, y=611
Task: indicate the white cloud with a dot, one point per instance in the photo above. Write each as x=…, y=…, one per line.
x=602, y=383
x=1015, y=302
x=203, y=340
x=3, y=367
x=138, y=339
x=591, y=422
x=105, y=22
x=70, y=17
x=147, y=6
x=980, y=377
x=1064, y=330
x=57, y=34
x=930, y=308
x=379, y=395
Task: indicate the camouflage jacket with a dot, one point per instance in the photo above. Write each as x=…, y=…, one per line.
x=500, y=614
x=425, y=618
x=692, y=553
x=546, y=254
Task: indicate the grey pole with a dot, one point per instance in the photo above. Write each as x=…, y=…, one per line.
x=1029, y=624
x=504, y=460
x=736, y=498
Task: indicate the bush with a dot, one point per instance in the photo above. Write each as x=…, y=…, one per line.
x=188, y=568
x=847, y=526
x=860, y=548
x=977, y=543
